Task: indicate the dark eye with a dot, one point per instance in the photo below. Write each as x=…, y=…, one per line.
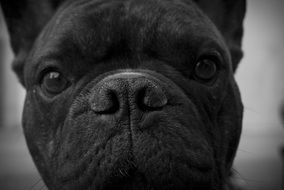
x=205, y=69
x=53, y=83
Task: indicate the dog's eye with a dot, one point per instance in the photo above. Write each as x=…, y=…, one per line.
x=205, y=69
x=54, y=82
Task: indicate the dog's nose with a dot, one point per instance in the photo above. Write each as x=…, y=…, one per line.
x=129, y=88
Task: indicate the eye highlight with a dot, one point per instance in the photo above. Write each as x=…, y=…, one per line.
x=53, y=83
x=205, y=69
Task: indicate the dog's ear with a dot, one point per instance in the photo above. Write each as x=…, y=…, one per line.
x=228, y=16
x=25, y=19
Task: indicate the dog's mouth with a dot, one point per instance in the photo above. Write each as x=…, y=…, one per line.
x=155, y=157
x=158, y=172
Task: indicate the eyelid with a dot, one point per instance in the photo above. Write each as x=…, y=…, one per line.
x=48, y=64
x=215, y=56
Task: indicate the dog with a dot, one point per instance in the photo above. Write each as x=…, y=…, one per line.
x=129, y=94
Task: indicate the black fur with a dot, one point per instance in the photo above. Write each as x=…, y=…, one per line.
x=97, y=134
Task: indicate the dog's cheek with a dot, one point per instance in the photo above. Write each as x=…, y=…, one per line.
x=233, y=121
x=41, y=124
x=35, y=134
x=229, y=125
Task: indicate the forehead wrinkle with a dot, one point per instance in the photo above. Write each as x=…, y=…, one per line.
x=92, y=27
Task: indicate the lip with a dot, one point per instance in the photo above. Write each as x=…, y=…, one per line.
x=132, y=178
x=84, y=175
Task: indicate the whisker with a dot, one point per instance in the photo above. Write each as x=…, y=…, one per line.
x=246, y=180
x=37, y=182
x=42, y=187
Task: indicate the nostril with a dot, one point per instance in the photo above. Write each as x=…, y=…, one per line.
x=105, y=101
x=152, y=98
x=127, y=90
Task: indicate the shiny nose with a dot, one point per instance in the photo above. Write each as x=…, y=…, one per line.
x=134, y=89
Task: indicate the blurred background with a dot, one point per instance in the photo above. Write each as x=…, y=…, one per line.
x=261, y=80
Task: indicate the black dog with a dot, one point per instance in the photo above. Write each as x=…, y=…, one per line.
x=129, y=94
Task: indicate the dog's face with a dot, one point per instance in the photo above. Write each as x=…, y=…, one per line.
x=131, y=95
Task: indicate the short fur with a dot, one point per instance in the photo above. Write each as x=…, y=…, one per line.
x=184, y=136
